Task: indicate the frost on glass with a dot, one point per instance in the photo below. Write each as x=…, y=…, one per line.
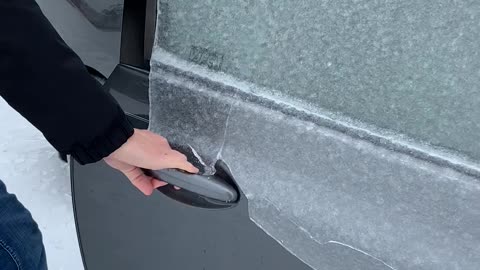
x=335, y=193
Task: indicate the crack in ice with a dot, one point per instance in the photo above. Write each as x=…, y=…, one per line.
x=209, y=170
x=219, y=154
x=361, y=251
x=301, y=228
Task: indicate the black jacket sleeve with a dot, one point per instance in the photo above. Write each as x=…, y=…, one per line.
x=46, y=82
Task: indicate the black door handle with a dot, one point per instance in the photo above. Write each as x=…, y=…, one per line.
x=209, y=186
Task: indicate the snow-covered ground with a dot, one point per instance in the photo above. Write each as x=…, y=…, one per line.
x=31, y=169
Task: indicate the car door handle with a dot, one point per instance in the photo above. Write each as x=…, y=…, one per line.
x=209, y=186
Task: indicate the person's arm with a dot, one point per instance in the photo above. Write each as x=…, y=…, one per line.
x=46, y=82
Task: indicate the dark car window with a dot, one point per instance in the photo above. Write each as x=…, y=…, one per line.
x=412, y=67
x=104, y=14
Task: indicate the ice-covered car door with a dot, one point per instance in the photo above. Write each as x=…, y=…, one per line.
x=350, y=129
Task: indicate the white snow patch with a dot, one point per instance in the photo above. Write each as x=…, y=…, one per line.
x=31, y=169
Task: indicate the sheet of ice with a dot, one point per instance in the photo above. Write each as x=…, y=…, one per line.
x=335, y=201
x=31, y=169
x=337, y=193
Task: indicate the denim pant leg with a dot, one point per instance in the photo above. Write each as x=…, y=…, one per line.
x=21, y=246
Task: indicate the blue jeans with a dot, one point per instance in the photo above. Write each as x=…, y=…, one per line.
x=21, y=246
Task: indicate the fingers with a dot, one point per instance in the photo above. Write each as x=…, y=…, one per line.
x=186, y=166
x=177, y=160
x=148, y=150
x=179, y=155
x=146, y=184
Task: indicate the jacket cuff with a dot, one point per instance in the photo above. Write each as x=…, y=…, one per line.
x=102, y=146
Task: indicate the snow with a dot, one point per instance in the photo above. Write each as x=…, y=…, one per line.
x=31, y=169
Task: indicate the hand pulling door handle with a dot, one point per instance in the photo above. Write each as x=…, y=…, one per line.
x=209, y=186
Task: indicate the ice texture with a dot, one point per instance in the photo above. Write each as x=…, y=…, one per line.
x=409, y=66
x=336, y=192
x=334, y=200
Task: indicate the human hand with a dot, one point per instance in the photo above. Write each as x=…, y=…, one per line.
x=145, y=149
